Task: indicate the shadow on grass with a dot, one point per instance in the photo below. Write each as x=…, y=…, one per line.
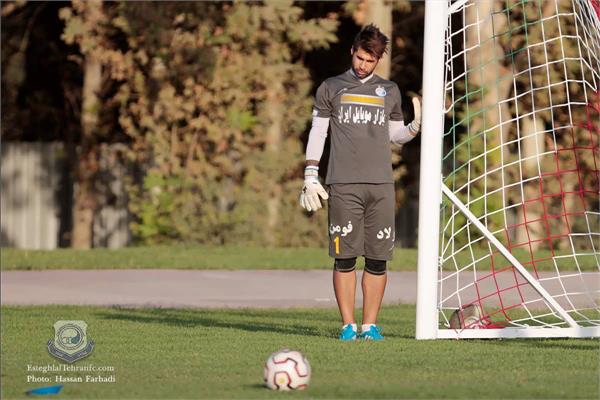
x=254, y=321
x=297, y=321
x=551, y=343
x=256, y=386
x=301, y=322
x=285, y=314
x=390, y=335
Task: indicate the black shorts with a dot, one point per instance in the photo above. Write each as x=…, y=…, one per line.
x=361, y=220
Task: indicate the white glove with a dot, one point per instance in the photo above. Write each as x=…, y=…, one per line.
x=415, y=125
x=312, y=189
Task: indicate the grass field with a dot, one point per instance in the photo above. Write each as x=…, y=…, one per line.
x=180, y=257
x=209, y=257
x=167, y=353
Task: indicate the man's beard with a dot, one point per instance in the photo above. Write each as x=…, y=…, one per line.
x=361, y=76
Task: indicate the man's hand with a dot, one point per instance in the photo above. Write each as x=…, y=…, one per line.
x=312, y=189
x=415, y=125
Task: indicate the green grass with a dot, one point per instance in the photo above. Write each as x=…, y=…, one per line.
x=221, y=257
x=180, y=257
x=195, y=353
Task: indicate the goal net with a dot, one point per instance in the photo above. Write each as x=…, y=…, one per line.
x=519, y=223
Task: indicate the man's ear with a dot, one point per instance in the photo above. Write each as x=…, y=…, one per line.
x=352, y=50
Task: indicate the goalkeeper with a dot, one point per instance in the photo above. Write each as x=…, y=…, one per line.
x=364, y=113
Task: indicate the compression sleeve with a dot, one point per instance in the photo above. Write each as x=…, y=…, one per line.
x=316, y=138
x=400, y=133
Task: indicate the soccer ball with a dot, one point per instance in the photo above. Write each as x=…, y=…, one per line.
x=286, y=370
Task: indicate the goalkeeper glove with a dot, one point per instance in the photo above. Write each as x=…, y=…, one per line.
x=312, y=189
x=415, y=125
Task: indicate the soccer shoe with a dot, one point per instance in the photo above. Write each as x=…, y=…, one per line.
x=372, y=334
x=348, y=333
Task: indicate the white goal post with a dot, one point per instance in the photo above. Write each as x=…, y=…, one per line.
x=509, y=208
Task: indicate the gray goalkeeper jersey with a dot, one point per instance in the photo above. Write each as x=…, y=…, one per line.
x=358, y=115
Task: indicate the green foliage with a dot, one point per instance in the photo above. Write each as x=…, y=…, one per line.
x=214, y=97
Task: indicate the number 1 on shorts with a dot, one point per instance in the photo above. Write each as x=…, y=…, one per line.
x=336, y=240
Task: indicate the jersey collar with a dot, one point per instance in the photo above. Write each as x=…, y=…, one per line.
x=361, y=80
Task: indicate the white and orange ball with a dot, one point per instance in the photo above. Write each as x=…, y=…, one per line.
x=287, y=370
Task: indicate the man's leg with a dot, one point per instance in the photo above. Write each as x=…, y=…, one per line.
x=379, y=245
x=344, y=285
x=373, y=286
x=346, y=241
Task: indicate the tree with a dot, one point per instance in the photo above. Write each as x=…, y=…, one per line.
x=214, y=97
x=84, y=25
x=36, y=98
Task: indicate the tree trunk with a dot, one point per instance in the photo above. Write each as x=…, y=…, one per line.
x=85, y=203
x=532, y=146
x=485, y=70
x=275, y=131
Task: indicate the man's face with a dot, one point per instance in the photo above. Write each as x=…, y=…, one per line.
x=363, y=63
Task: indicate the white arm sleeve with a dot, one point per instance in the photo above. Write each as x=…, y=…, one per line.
x=316, y=138
x=400, y=133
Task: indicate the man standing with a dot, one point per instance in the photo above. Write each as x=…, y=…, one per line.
x=364, y=111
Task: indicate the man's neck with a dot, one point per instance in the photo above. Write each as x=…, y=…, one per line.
x=361, y=80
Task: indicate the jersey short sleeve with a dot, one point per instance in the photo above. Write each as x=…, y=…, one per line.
x=322, y=107
x=396, y=110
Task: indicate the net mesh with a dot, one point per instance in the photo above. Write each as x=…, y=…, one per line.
x=522, y=103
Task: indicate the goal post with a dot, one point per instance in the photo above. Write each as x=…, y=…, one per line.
x=509, y=208
x=431, y=163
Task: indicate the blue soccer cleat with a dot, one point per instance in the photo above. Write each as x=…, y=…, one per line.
x=348, y=333
x=372, y=334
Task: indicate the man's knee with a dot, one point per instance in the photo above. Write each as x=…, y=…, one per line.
x=375, y=267
x=344, y=264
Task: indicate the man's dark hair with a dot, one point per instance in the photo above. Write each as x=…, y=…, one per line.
x=371, y=40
